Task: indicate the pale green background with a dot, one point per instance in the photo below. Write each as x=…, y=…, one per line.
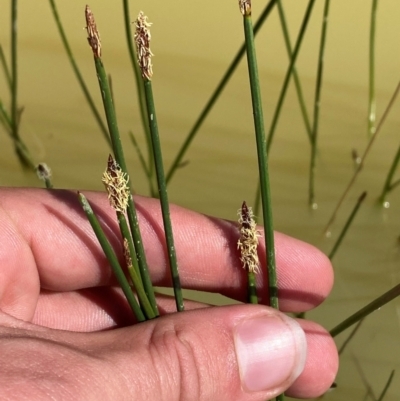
x=193, y=43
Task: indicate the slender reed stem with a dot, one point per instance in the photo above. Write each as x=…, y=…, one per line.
x=94, y=42
x=368, y=309
x=388, y=183
x=285, y=86
x=317, y=103
x=142, y=40
x=370, y=392
x=133, y=268
x=78, y=74
x=140, y=155
x=371, y=94
x=20, y=148
x=14, y=70
x=15, y=113
x=137, y=283
x=5, y=119
x=361, y=164
x=6, y=71
x=111, y=257
x=245, y=8
x=296, y=78
x=162, y=189
x=347, y=225
x=387, y=385
x=350, y=337
x=215, y=95
x=116, y=184
x=289, y=71
x=140, y=95
x=252, y=288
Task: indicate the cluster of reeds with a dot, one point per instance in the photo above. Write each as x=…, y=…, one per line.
x=137, y=285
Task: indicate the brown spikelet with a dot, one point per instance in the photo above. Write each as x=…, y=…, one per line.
x=116, y=183
x=93, y=33
x=245, y=7
x=248, y=242
x=142, y=40
x=43, y=171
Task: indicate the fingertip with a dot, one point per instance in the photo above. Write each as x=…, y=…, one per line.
x=305, y=274
x=321, y=366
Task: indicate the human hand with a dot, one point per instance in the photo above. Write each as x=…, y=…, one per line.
x=57, y=298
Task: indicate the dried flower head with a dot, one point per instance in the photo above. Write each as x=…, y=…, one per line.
x=245, y=7
x=116, y=183
x=142, y=40
x=93, y=33
x=43, y=171
x=248, y=241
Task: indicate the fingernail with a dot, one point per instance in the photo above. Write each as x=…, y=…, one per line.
x=271, y=352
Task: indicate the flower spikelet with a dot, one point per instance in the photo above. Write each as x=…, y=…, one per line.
x=245, y=7
x=93, y=33
x=116, y=183
x=248, y=242
x=142, y=40
x=43, y=171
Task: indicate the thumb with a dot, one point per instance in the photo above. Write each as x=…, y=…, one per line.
x=241, y=352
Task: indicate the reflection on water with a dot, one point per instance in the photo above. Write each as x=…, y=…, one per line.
x=222, y=168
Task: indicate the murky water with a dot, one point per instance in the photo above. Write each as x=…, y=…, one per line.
x=193, y=44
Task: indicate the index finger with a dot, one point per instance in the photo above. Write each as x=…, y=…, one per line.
x=47, y=242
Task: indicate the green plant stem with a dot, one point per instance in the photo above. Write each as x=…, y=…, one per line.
x=388, y=183
x=347, y=225
x=5, y=68
x=350, y=337
x=387, y=385
x=368, y=309
x=296, y=78
x=289, y=71
x=78, y=74
x=252, y=288
x=112, y=258
x=215, y=95
x=361, y=164
x=14, y=70
x=285, y=86
x=134, y=269
x=371, y=94
x=262, y=160
x=140, y=155
x=317, y=103
x=162, y=189
x=140, y=95
x=5, y=118
x=119, y=156
x=20, y=148
x=370, y=392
